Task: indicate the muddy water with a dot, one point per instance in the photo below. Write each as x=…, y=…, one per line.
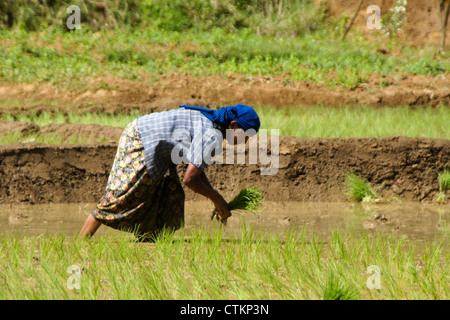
x=416, y=221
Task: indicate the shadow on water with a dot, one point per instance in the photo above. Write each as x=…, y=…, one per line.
x=414, y=220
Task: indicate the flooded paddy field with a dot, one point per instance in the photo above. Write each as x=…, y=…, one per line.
x=418, y=222
x=307, y=242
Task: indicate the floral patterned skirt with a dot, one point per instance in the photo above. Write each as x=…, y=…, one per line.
x=132, y=201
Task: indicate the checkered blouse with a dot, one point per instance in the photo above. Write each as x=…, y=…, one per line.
x=178, y=136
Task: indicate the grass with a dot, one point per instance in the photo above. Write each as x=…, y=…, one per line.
x=208, y=265
x=335, y=290
x=45, y=118
x=359, y=189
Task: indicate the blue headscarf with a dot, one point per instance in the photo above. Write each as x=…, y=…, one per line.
x=245, y=116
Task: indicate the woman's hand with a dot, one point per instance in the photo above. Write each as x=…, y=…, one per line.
x=221, y=207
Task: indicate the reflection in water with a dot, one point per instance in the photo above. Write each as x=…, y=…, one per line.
x=416, y=221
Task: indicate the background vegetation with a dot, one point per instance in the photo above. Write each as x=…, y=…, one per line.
x=267, y=17
x=142, y=39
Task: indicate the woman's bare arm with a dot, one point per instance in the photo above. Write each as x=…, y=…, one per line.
x=196, y=180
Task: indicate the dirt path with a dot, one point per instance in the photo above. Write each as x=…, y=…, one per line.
x=310, y=169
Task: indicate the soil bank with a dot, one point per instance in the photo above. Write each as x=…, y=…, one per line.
x=310, y=169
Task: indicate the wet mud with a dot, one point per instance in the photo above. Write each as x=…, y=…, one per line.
x=418, y=222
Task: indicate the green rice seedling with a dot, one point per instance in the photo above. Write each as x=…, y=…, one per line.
x=359, y=189
x=337, y=245
x=444, y=180
x=248, y=199
x=263, y=266
x=444, y=186
x=334, y=289
x=301, y=121
x=339, y=122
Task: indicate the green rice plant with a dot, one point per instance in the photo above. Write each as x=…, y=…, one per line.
x=334, y=289
x=444, y=186
x=213, y=265
x=339, y=122
x=305, y=122
x=299, y=121
x=248, y=199
x=444, y=180
x=359, y=189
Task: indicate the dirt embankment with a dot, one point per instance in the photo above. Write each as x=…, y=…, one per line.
x=174, y=90
x=89, y=132
x=310, y=170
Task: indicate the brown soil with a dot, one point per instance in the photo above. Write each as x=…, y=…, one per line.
x=89, y=132
x=422, y=23
x=310, y=170
x=171, y=91
x=92, y=132
x=18, y=127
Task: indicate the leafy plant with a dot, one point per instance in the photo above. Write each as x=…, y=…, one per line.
x=394, y=19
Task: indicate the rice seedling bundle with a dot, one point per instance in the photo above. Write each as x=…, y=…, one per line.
x=248, y=199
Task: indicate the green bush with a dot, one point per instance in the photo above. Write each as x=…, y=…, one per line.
x=265, y=17
x=33, y=15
